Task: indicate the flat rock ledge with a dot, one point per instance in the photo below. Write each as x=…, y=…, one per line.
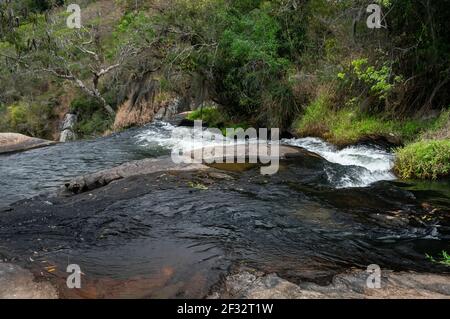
x=248, y=284
x=147, y=166
x=14, y=142
x=102, y=178
x=19, y=283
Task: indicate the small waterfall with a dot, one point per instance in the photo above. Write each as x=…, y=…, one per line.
x=363, y=164
x=358, y=166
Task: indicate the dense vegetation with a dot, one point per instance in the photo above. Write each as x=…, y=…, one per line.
x=309, y=66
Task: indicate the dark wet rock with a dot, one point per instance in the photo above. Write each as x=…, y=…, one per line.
x=386, y=141
x=14, y=142
x=250, y=284
x=185, y=122
x=18, y=283
x=174, y=112
x=218, y=175
x=287, y=134
x=102, y=178
x=157, y=215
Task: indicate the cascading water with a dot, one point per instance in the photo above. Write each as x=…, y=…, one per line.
x=364, y=164
x=30, y=173
x=360, y=166
x=175, y=235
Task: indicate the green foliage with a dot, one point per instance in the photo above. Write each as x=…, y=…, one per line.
x=349, y=125
x=84, y=105
x=239, y=51
x=424, y=160
x=210, y=115
x=442, y=123
x=259, y=60
x=94, y=126
x=377, y=80
x=33, y=119
x=92, y=119
x=444, y=259
x=315, y=121
x=215, y=118
x=249, y=61
x=134, y=27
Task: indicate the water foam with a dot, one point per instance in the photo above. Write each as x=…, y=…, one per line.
x=360, y=166
x=364, y=164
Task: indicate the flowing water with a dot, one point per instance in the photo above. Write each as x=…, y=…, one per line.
x=370, y=163
x=176, y=235
x=30, y=173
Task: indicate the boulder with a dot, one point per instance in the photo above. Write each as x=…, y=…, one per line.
x=14, y=142
x=68, y=128
x=102, y=178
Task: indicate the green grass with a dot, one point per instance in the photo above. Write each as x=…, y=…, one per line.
x=211, y=115
x=424, y=160
x=444, y=259
x=427, y=151
x=349, y=125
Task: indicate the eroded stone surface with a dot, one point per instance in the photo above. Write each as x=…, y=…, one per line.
x=18, y=283
x=250, y=284
x=142, y=167
x=147, y=166
x=14, y=142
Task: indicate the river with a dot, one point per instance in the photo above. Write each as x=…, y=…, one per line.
x=157, y=236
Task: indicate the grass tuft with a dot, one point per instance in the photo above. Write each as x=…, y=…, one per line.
x=424, y=160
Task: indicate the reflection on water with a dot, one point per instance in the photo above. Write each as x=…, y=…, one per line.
x=29, y=173
x=150, y=236
x=158, y=236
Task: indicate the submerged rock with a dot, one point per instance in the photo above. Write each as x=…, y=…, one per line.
x=14, y=142
x=18, y=283
x=102, y=178
x=250, y=284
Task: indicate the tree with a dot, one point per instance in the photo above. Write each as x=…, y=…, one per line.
x=82, y=57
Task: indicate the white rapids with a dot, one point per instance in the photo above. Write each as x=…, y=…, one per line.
x=361, y=165
x=366, y=164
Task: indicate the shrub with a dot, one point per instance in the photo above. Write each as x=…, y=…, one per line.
x=33, y=119
x=424, y=160
x=241, y=57
x=214, y=117
x=443, y=259
x=92, y=119
x=210, y=115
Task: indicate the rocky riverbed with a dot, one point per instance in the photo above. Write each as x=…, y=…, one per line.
x=19, y=283
x=250, y=284
x=152, y=229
